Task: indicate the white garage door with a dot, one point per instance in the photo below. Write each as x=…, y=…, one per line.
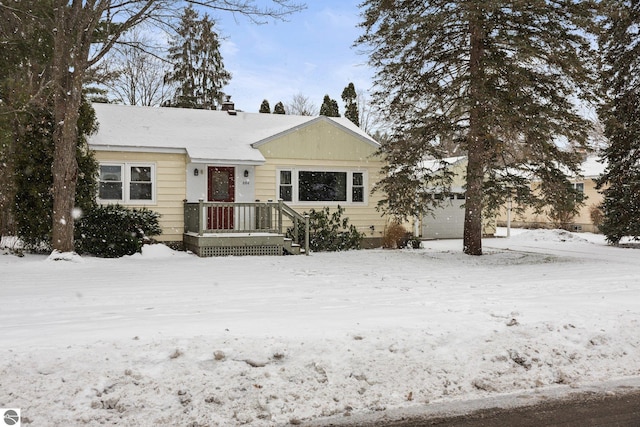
x=448, y=222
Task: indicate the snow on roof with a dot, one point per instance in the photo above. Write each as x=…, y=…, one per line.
x=592, y=167
x=205, y=135
x=436, y=165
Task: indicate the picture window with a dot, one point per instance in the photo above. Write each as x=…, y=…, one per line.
x=302, y=186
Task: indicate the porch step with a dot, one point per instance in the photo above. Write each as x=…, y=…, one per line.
x=291, y=248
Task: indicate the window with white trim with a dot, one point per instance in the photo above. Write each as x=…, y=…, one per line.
x=312, y=186
x=357, y=187
x=578, y=186
x=127, y=183
x=286, y=186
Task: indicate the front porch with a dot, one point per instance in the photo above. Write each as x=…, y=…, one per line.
x=257, y=228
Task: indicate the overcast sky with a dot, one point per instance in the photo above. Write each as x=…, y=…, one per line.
x=312, y=54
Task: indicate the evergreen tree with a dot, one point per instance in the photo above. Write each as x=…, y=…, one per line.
x=33, y=158
x=620, y=113
x=279, y=108
x=350, y=98
x=265, y=107
x=198, y=71
x=329, y=107
x=23, y=58
x=498, y=78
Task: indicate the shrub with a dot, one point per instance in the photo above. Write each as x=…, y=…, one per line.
x=394, y=234
x=413, y=242
x=113, y=231
x=329, y=232
x=397, y=237
x=596, y=214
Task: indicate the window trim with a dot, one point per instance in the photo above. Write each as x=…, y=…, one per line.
x=354, y=186
x=126, y=184
x=295, y=186
x=578, y=186
x=279, y=184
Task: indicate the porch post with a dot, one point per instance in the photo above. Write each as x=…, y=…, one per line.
x=280, y=202
x=509, y=216
x=202, y=217
x=306, y=234
x=185, y=215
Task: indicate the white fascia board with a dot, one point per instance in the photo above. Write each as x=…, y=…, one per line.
x=129, y=149
x=227, y=161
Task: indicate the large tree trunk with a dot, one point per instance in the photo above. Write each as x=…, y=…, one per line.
x=65, y=173
x=472, y=236
x=68, y=66
x=472, y=243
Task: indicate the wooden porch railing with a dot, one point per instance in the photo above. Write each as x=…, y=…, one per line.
x=246, y=217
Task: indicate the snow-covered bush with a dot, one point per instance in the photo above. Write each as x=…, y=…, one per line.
x=113, y=231
x=329, y=231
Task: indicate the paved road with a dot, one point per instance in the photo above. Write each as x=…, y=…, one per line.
x=592, y=410
x=615, y=404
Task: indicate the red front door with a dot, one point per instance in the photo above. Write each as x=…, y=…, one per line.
x=221, y=188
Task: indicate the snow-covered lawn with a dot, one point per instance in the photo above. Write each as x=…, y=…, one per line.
x=166, y=338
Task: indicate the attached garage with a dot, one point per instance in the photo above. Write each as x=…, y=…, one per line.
x=446, y=222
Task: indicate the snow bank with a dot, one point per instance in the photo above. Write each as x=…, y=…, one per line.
x=167, y=338
x=56, y=255
x=159, y=251
x=541, y=235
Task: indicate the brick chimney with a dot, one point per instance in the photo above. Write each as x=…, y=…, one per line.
x=229, y=106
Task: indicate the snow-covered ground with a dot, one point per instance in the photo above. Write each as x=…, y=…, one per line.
x=166, y=338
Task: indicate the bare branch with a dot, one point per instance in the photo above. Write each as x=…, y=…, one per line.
x=249, y=9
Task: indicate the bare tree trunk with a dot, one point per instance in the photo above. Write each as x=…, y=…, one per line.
x=65, y=167
x=472, y=236
x=71, y=50
x=65, y=173
x=74, y=26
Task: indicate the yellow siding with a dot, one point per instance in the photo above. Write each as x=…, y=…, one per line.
x=322, y=140
x=460, y=173
x=170, y=188
x=529, y=218
x=593, y=200
x=339, y=150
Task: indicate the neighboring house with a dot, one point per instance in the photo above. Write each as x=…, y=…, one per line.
x=216, y=176
x=590, y=170
x=447, y=220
